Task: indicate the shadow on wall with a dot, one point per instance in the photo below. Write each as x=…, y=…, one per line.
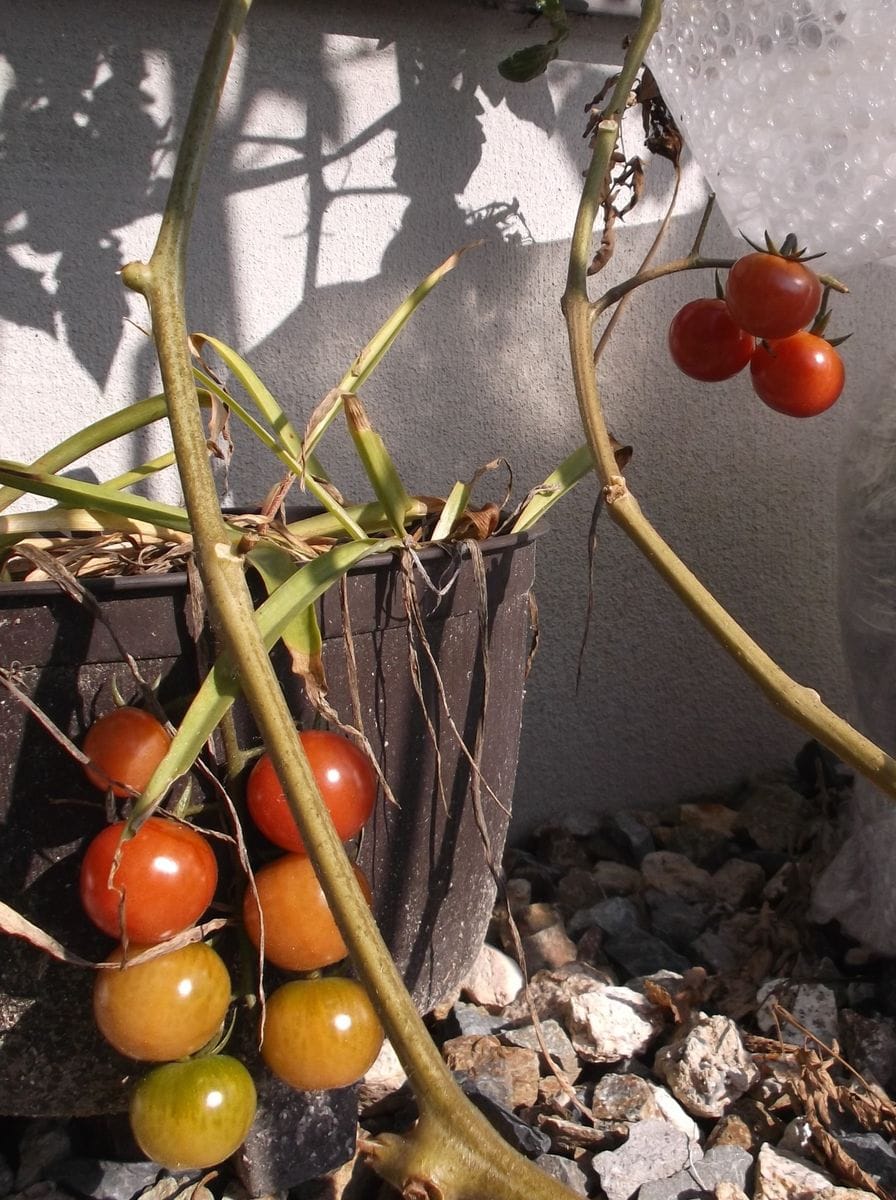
x=455, y=384
x=307, y=132
x=79, y=148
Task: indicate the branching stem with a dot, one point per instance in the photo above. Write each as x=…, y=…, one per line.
x=801, y=704
x=453, y=1149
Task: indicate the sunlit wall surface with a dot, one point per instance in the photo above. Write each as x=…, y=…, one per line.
x=358, y=145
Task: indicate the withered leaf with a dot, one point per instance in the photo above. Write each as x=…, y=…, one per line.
x=14, y=924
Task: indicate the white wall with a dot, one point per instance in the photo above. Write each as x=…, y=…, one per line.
x=359, y=144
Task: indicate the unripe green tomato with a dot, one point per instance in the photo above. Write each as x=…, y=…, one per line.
x=165, y=1008
x=194, y=1114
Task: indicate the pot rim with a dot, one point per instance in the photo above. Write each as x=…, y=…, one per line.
x=106, y=585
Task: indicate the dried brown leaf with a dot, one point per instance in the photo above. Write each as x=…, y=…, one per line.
x=219, y=441
x=14, y=924
x=622, y=454
x=321, y=412
x=680, y=999
x=477, y=524
x=274, y=500
x=842, y=1164
x=661, y=134
x=607, y=242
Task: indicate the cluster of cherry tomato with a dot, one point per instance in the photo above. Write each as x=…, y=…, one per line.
x=769, y=300
x=197, y=1108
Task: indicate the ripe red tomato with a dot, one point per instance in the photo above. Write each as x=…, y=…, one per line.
x=165, y=880
x=800, y=375
x=320, y=1033
x=772, y=296
x=124, y=746
x=165, y=1008
x=706, y=344
x=299, y=931
x=194, y=1114
x=344, y=777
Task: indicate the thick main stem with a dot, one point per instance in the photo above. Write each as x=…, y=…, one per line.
x=453, y=1146
x=801, y=704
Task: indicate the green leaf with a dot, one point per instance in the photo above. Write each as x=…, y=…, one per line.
x=98, y=497
x=370, y=517
x=458, y=499
x=528, y=63
x=221, y=686
x=107, y=429
x=372, y=354
x=144, y=471
x=555, y=487
x=261, y=397
x=289, y=460
x=301, y=636
x=378, y=465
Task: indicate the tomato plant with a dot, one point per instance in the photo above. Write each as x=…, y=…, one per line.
x=165, y=880
x=320, y=1033
x=124, y=747
x=300, y=933
x=800, y=375
x=706, y=344
x=772, y=296
x=193, y=1114
x=344, y=777
x=165, y=1008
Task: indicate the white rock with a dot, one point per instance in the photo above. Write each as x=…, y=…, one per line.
x=493, y=980
x=385, y=1076
x=606, y=1024
x=652, y=1151
x=707, y=1069
x=784, y=1176
x=797, y=1136
x=812, y=1004
x=672, y=1112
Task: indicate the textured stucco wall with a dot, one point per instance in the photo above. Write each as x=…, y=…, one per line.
x=358, y=145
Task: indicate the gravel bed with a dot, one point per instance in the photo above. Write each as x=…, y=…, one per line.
x=680, y=1030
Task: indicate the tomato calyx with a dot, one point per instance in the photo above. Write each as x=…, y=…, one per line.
x=821, y=322
x=789, y=248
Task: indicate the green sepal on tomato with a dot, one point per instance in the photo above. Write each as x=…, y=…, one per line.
x=345, y=780
x=164, y=881
x=194, y=1114
x=772, y=295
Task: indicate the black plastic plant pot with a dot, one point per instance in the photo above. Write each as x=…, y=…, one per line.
x=426, y=856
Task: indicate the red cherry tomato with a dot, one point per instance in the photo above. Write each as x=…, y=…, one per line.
x=772, y=296
x=344, y=777
x=194, y=1114
x=165, y=880
x=320, y=1033
x=299, y=931
x=706, y=344
x=800, y=375
x=166, y=1008
x=124, y=746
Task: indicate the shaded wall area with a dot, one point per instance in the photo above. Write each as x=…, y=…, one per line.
x=358, y=145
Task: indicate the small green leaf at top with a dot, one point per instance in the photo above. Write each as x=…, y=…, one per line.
x=528, y=63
